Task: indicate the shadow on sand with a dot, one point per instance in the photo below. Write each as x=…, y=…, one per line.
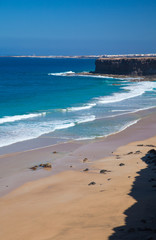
x=140, y=222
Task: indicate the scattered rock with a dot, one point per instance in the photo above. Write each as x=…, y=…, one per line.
x=129, y=176
x=140, y=145
x=71, y=166
x=34, y=168
x=85, y=170
x=109, y=179
x=150, y=146
x=47, y=165
x=121, y=164
x=54, y=152
x=104, y=171
x=85, y=160
x=42, y=165
x=137, y=152
x=129, y=153
x=92, y=183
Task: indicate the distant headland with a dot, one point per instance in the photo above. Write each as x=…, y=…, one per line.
x=114, y=65
x=137, y=66
x=86, y=56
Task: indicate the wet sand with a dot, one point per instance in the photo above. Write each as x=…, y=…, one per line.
x=70, y=203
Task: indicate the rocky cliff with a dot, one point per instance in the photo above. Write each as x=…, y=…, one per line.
x=126, y=66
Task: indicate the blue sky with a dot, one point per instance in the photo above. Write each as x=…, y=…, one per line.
x=65, y=27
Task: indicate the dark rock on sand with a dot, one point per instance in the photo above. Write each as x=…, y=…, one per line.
x=137, y=152
x=86, y=170
x=42, y=165
x=34, y=167
x=92, y=183
x=45, y=165
x=150, y=146
x=85, y=160
x=121, y=164
x=129, y=153
x=104, y=171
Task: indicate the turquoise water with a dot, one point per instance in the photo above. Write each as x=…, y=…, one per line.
x=44, y=96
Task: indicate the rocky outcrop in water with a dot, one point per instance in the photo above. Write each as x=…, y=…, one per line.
x=126, y=66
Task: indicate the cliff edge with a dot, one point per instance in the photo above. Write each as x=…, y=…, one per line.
x=126, y=66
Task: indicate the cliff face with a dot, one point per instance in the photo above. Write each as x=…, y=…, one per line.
x=126, y=66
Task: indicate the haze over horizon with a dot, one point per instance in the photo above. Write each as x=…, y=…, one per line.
x=77, y=27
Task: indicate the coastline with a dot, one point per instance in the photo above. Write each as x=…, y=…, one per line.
x=132, y=78
x=90, y=191
x=61, y=204
x=15, y=166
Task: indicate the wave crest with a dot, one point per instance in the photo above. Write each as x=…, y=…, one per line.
x=8, y=119
x=131, y=91
x=68, y=73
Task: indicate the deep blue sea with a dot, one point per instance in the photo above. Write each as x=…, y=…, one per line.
x=37, y=96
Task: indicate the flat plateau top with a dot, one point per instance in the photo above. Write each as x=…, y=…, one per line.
x=127, y=58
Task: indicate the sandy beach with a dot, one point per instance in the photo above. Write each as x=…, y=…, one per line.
x=102, y=189
x=77, y=120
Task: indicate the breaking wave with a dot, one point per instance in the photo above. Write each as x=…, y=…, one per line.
x=8, y=119
x=131, y=91
x=68, y=73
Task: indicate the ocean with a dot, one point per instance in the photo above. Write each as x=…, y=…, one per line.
x=38, y=97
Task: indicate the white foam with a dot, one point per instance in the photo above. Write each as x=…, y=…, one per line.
x=8, y=119
x=24, y=131
x=129, y=124
x=84, y=107
x=71, y=73
x=86, y=119
x=118, y=110
x=132, y=90
x=68, y=73
x=102, y=136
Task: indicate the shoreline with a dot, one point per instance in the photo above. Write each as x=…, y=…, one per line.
x=45, y=140
x=132, y=78
x=15, y=167
x=78, y=204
